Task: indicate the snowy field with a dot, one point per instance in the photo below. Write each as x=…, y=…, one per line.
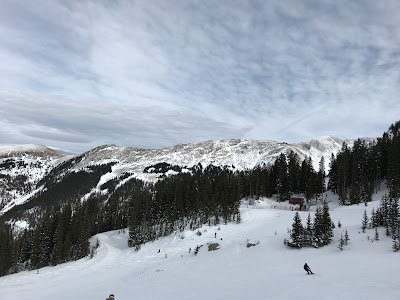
x=270, y=270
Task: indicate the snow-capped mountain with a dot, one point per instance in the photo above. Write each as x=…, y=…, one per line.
x=28, y=151
x=28, y=169
x=241, y=154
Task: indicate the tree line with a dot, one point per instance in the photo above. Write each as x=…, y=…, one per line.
x=357, y=172
x=287, y=175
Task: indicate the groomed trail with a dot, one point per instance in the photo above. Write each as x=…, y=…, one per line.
x=269, y=270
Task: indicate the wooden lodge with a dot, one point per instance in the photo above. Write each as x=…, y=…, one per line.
x=296, y=200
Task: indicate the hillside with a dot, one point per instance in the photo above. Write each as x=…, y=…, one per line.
x=364, y=270
x=21, y=168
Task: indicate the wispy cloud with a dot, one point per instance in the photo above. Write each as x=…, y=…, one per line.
x=78, y=74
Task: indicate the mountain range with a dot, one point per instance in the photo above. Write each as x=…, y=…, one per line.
x=26, y=170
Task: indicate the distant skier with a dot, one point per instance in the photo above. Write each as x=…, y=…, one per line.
x=111, y=297
x=215, y=236
x=308, y=269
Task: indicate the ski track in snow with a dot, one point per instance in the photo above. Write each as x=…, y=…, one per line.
x=270, y=270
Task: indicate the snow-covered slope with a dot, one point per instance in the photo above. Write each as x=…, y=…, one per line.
x=364, y=270
x=21, y=168
x=241, y=154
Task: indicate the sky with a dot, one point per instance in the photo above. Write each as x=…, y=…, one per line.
x=366, y=269
x=78, y=74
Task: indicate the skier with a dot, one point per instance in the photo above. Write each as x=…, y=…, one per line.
x=308, y=269
x=111, y=297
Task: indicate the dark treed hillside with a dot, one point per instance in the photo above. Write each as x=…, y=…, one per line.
x=357, y=172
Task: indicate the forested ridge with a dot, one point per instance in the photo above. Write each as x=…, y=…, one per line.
x=357, y=172
x=60, y=224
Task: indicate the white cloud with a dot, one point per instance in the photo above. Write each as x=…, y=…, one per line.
x=151, y=74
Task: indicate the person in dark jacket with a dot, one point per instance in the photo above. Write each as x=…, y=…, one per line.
x=308, y=269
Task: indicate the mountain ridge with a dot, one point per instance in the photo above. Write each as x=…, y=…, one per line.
x=42, y=164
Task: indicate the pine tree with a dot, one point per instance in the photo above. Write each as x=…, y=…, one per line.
x=393, y=215
x=339, y=225
x=333, y=175
x=308, y=232
x=318, y=228
x=294, y=172
x=321, y=178
x=376, y=236
x=342, y=242
x=326, y=225
x=364, y=221
x=297, y=235
x=395, y=244
x=346, y=237
x=373, y=218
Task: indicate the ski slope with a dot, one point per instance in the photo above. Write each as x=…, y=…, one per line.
x=270, y=270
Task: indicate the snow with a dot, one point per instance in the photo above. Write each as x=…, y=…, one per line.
x=269, y=270
x=19, y=225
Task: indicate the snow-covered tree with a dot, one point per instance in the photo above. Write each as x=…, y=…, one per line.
x=346, y=237
x=308, y=232
x=297, y=235
x=342, y=242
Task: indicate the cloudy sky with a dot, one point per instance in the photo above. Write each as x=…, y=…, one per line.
x=78, y=74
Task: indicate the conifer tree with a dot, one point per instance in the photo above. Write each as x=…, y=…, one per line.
x=326, y=225
x=297, y=235
x=321, y=178
x=308, y=232
x=365, y=219
x=318, y=228
x=393, y=215
x=395, y=243
x=342, y=242
x=376, y=236
x=346, y=237
x=373, y=218
x=333, y=175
